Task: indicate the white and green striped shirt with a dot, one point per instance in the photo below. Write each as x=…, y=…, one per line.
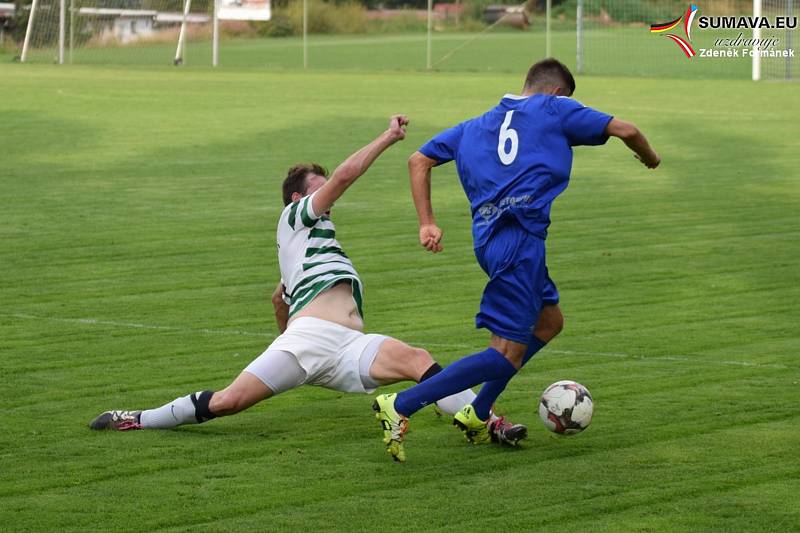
x=310, y=257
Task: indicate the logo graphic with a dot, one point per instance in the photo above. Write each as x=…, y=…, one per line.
x=488, y=211
x=687, y=19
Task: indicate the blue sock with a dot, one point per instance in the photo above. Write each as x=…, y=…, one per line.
x=491, y=390
x=467, y=372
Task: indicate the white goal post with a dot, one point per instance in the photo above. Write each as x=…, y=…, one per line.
x=142, y=32
x=756, y=37
x=28, y=32
x=187, y=5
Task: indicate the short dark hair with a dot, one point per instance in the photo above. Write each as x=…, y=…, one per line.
x=550, y=73
x=296, y=179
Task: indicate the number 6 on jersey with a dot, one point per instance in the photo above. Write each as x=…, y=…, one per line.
x=507, y=134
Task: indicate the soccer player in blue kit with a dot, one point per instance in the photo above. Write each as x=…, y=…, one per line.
x=513, y=161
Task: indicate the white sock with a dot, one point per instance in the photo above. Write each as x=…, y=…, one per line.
x=176, y=413
x=453, y=404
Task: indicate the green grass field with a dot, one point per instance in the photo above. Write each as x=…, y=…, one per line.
x=138, y=256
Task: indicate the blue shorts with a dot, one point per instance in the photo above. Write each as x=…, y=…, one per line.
x=519, y=285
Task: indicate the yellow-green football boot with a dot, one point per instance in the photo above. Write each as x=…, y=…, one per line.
x=475, y=430
x=496, y=429
x=394, y=425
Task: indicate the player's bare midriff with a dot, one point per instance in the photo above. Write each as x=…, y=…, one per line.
x=335, y=304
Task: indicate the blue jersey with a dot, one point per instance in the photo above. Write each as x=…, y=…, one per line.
x=516, y=158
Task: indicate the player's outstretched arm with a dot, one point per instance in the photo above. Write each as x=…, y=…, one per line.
x=635, y=140
x=419, y=172
x=281, y=308
x=354, y=166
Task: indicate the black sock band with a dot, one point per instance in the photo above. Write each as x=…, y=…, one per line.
x=434, y=369
x=201, y=410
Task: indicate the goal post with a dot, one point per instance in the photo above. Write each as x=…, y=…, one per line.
x=756, y=36
x=215, y=35
x=579, y=38
x=28, y=32
x=62, y=27
x=187, y=5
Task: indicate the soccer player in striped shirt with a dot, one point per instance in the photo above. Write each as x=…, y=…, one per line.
x=513, y=161
x=318, y=310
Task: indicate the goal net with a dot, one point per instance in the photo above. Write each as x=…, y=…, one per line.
x=124, y=32
x=640, y=37
x=776, y=67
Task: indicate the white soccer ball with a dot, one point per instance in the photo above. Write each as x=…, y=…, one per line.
x=566, y=407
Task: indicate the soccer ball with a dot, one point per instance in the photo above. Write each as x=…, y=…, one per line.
x=566, y=407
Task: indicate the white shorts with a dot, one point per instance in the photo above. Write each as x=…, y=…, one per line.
x=330, y=355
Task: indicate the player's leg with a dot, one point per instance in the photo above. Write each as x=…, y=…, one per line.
x=394, y=361
x=481, y=428
x=196, y=408
x=273, y=372
x=551, y=320
x=386, y=360
x=245, y=391
x=461, y=375
x=510, y=306
x=509, y=318
x=549, y=324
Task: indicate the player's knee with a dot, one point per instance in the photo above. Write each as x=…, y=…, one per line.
x=557, y=323
x=227, y=402
x=422, y=357
x=420, y=360
x=550, y=324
